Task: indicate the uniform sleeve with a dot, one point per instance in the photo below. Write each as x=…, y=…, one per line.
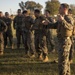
x=68, y=23
x=4, y=26
x=52, y=25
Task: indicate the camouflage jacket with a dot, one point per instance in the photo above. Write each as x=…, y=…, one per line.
x=3, y=26
x=64, y=28
x=8, y=22
x=17, y=22
x=27, y=23
x=38, y=25
x=50, y=19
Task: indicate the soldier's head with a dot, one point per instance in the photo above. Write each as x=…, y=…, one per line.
x=25, y=13
x=37, y=12
x=1, y=14
x=19, y=12
x=63, y=10
x=47, y=13
x=6, y=14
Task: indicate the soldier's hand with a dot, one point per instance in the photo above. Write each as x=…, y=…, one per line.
x=44, y=22
x=60, y=18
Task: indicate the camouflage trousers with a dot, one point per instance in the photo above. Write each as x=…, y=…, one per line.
x=72, y=49
x=1, y=43
x=63, y=56
x=28, y=38
x=41, y=44
x=50, y=39
x=19, y=37
x=8, y=35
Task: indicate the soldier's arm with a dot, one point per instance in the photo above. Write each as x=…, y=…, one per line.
x=69, y=23
x=52, y=25
x=34, y=27
x=4, y=26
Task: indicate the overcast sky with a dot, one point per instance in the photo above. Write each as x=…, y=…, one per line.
x=6, y=5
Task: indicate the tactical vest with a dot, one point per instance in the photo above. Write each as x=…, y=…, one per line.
x=38, y=22
x=8, y=22
x=18, y=21
x=27, y=22
x=62, y=31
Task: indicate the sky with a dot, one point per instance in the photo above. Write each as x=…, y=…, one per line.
x=11, y=6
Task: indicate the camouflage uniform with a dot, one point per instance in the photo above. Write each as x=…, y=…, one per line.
x=8, y=33
x=18, y=26
x=50, y=39
x=40, y=37
x=3, y=28
x=28, y=35
x=64, y=33
x=73, y=39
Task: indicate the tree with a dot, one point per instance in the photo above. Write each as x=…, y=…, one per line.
x=30, y=5
x=53, y=6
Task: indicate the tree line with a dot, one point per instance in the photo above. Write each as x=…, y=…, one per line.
x=52, y=5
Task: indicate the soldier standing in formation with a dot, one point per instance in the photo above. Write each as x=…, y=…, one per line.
x=3, y=28
x=40, y=36
x=28, y=34
x=64, y=27
x=50, y=39
x=17, y=24
x=8, y=33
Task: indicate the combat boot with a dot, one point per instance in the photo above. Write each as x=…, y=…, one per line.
x=18, y=46
x=12, y=47
x=1, y=53
x=32, y=56
x=27, y=54
x=53, y=50
x=40, y=57
x=46, y=59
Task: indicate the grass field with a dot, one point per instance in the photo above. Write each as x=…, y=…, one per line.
x=14, y=62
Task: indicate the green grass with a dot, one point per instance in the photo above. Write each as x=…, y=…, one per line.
x=14, y=62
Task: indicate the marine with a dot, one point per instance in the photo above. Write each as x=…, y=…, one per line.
x=50, y=39
x=40, y=36
x=64, y=27
x=28, y=34
x=8, y=33
x=17, y=25
x=3, y=28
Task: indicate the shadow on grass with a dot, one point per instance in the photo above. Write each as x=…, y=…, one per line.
x=13, y=62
